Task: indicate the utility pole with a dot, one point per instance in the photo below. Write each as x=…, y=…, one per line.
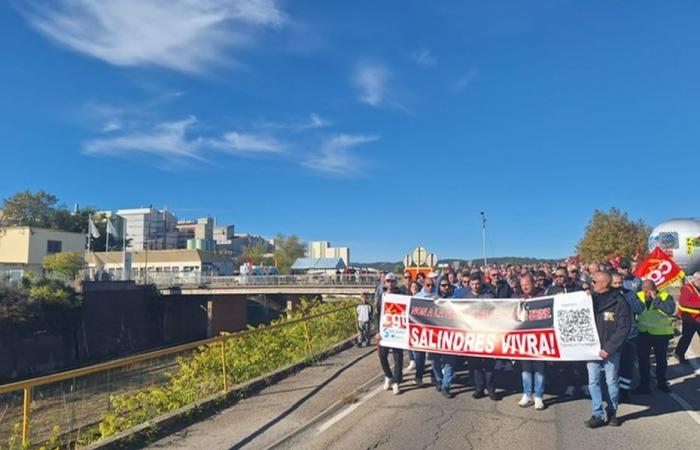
x=483, y=237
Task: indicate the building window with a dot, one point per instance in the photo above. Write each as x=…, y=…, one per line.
x=53, y=247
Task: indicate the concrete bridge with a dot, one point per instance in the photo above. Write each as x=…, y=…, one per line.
x=233, y=302
x=196, y=284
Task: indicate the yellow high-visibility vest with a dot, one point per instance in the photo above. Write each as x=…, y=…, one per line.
x=653, y=320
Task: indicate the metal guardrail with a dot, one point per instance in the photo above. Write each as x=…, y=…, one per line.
x=27, y=386
x=197, y=279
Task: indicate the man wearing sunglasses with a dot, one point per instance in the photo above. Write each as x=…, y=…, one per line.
x=443, y=366
x=481, y=368
x=498, y=285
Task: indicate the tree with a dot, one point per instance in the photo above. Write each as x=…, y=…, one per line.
x=287, y=250
x=254, y=254
x=65, y=264
x=28, y=209
x=611, y=234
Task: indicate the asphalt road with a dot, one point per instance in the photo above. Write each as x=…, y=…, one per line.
x=321, y=408
x=423, y=419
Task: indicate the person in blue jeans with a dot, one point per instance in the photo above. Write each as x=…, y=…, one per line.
x=531, y=369
x=613, y=321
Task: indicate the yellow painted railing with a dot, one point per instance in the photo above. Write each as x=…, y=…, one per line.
x=28, y=386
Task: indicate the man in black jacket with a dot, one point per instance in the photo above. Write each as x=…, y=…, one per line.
x=613, y=321
x=499, y=286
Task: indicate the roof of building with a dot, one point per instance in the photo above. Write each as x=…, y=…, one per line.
x=318, y=263
x=158, y=256
x=52, y=230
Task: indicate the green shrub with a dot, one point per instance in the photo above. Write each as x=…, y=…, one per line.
x=199, y=375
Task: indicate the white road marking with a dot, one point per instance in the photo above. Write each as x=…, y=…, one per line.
x=680, y=400
x=330, y=422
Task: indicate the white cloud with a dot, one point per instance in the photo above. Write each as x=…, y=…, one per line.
x=424, y=57
x=184, y=35
x=371, y=81
x=167, y=140
x=177, y=142
x=312, y=122
x=335, y=158
x=466, y=80
x=235, y=142
x=111, y=125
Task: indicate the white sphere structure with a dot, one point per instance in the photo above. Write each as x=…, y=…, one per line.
x=681, y=239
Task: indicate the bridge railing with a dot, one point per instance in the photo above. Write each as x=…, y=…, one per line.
x=84, y=405
x=197, y=279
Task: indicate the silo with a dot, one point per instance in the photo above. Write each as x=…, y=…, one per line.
x=681, y=239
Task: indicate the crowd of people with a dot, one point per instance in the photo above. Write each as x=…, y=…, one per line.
x=633, y=318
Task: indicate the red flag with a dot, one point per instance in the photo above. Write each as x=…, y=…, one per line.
x=660, y=268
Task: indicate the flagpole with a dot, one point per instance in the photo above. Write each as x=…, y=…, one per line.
x=107, y=231
x=123, y=249
x=89, y=233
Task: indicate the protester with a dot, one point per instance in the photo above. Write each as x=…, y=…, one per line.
x=481, y=368
x=499, y=287
x=392, y=378
x=542, y=282
x=612, y=319
x=689, y=310
x=364, y=316
x=443, y=366
x=628, y=354
x=564, y=281
x=414, y=288
x=531, y=369
x=655, y=332
x=629, y=280
x=561, y=283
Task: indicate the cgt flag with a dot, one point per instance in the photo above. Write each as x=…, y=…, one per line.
x=660, y=268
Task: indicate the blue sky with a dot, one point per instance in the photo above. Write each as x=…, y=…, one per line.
x=377, y=125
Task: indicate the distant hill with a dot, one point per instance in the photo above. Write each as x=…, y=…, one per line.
x=391, y=266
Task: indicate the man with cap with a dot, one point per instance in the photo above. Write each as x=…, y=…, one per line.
x=392, y=378
x=629, y=280
x=689, y=310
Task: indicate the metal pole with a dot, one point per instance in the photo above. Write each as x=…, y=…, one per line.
x=223, y=364
x=483, y=237
x=25, y=416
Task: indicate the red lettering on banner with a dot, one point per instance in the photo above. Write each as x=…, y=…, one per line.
x=523, y=344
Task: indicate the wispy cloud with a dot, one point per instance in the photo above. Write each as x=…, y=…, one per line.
x=312, y=122
x=184, y=35
x=176, y=142
x=370, y=80
x=235, y=142
x=465, y=81
x=424, y=57
x=168, y=141
x=334, y=157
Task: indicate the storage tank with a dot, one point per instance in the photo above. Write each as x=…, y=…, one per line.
x=681, y=239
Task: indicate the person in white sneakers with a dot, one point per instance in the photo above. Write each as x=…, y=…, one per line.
x=392, y=378
x=531, y=369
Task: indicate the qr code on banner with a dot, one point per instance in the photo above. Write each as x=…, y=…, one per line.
x=576, y=326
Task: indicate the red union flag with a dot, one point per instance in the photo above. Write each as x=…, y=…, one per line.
x=660, y=268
